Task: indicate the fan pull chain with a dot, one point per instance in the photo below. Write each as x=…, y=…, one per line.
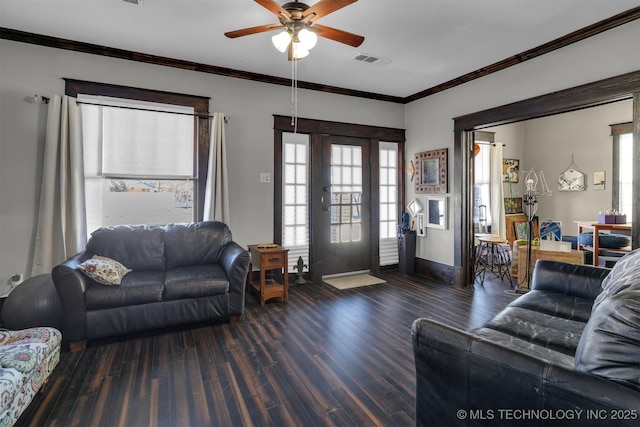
x=294, y=94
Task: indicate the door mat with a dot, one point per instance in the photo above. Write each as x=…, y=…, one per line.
x=356, y=281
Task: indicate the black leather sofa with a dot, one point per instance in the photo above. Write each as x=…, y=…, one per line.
x=566, y=353
x=180, y=273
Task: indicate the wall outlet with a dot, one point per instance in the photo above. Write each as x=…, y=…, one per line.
x=16, y=279
x=265, y=177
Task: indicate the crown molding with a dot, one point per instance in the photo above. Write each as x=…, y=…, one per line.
x=77, y=46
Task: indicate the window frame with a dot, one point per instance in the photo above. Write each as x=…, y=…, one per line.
x=616, y=131
x=200, y=105
x=486, y=139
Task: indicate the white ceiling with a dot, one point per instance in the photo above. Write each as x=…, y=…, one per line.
x=429, y=42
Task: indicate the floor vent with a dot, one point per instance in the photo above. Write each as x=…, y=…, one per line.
x=370, y=59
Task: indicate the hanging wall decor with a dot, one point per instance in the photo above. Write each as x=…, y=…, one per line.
x=420, y=227
x=411, y=170
x=598, y=180
x=510, y=170
x=431, y=171
x=571, y=179
x=512, y=205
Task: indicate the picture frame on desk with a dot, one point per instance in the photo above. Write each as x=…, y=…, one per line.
x=517, y=228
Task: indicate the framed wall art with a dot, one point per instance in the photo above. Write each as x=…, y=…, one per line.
x=431, y=171
x=598, y=180
x=420, y=229
x=512, y=205
x=510, y=170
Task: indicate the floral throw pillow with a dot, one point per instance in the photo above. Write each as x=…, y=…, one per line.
x=104, y=270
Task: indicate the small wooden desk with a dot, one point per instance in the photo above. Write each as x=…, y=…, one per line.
x=266, y=259
x=596, y=227
x=573, y=257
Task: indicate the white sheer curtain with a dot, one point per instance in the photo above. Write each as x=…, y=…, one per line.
x=62, y=226
x=497, y=197
x=216, y=199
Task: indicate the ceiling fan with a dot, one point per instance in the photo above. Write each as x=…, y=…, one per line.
x=299, y=30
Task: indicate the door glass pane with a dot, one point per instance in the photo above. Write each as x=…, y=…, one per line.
x=335, y=229
x=346, y=193
x=388, y=171
x=295, y=190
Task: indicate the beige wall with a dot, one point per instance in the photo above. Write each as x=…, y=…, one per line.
x=549, y=143
x=28, y=69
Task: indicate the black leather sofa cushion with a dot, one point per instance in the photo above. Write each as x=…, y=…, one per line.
x=539, y=328
x=522, y=346
x=555, y=304
x=611, y=346
x=137, y=287
x=195, y=244
x=195, y=282
x=138, y=247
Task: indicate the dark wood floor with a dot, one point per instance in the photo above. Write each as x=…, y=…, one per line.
x=326, y=358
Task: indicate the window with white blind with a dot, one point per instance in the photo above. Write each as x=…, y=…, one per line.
x=388, y=174
x=625, y=173
x=482, y=186
x=295, y=212
x=139, y=161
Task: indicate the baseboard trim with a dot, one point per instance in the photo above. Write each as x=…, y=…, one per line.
x=435, y=270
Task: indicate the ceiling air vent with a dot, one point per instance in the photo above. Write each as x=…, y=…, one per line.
x=370, y=59
x=136, y=2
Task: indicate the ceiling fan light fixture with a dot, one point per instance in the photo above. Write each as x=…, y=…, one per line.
x=281, y=40
x=299, y=51
x=308, y=38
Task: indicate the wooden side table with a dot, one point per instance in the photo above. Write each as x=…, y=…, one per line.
x=596, y=227
x=266, y=258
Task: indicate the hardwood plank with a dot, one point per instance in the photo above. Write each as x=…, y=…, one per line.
x=326, y=358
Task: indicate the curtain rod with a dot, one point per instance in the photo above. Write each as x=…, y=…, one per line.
x=489, y=143
x=202, y=116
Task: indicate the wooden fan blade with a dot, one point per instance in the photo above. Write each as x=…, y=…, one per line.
x=323, y=8
x=274, y=7
x=252, y=30
x=338, y=35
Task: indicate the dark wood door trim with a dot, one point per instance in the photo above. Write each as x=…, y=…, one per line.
x=618, y=88
x=316, y=129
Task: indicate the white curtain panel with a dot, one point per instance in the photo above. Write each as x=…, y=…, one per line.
x=216, y=199
x=498, y=225
x=62, y=226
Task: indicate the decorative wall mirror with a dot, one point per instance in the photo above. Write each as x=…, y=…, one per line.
x=414, y=207
x=437, y=212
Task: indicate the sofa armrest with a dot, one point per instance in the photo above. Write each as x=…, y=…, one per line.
x=466, y=379
x=71, y=285
x=235, y=260
x=571, y=279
